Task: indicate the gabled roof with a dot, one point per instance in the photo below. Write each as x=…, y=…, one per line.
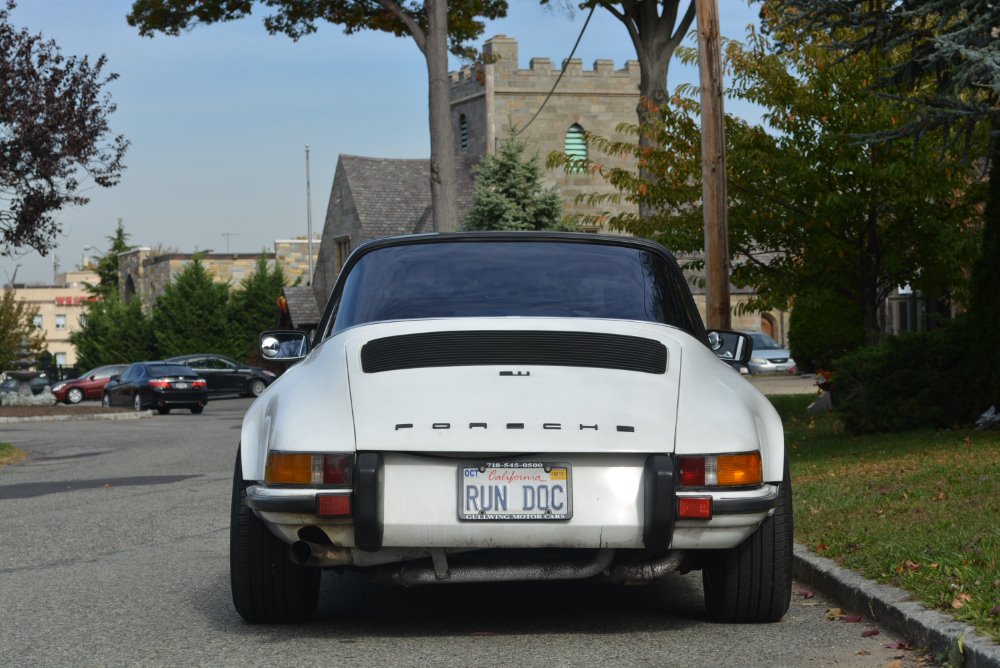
x=302, y=307
x=393, y=196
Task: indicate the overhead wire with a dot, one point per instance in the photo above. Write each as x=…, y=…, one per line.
x=561, y=72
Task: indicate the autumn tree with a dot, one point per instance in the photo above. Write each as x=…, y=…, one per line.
x=946, y=63
x=509, y=194
x=810, y=206
x=17, y=325
x=55, y=140
x=436, y=26
x=191, y=315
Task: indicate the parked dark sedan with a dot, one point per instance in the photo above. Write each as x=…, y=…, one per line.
x=159, y=385
x=89, y=385
x=227, y=376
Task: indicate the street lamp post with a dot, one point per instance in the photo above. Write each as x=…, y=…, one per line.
x=309, y=221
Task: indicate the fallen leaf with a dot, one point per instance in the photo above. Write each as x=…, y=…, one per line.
x=899, y=645
x=833, y=614
x=820, y=548
x=107, y=485
x=960, y=600
x=894, y=664
x=864, y=652
x=868, y=633
x=805, y=593
x=851, y=619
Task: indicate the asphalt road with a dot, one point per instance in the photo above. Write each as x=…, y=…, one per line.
x=113, y=551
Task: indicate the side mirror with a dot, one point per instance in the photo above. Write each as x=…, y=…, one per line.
x=112, y=378
x=732, y=347
x=284, y=345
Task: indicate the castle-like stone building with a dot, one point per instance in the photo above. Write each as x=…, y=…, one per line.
x=499, y=100
x=144, y=273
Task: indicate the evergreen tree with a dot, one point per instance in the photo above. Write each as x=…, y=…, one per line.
x=113, y=332
x=16, y=324
x=510, y=194
x=191, y=315
x=253, y=308
x=107, y=265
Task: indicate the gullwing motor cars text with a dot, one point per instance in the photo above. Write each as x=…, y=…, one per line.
x=492, y=407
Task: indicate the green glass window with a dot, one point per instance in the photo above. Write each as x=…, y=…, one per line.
x=576, y=147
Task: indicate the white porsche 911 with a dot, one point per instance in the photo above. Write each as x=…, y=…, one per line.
x=494, y=407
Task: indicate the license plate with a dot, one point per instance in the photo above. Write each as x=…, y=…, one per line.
x=182, y=386
x=515, y=491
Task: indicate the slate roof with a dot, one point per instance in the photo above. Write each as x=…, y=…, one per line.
x=393, y=196
x=302, y=307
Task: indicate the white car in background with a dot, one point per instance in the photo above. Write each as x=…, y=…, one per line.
x=769, y=356
x=495, y=407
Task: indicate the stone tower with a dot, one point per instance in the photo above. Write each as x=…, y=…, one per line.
x=489, y=101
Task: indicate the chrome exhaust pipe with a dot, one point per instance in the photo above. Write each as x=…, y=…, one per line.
x=646, y=571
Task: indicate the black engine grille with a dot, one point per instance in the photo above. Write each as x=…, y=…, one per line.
x=475, y=348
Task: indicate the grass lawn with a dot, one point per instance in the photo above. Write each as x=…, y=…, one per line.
x=919, y=510
x=9, y=454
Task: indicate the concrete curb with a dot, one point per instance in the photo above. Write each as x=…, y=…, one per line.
x=894, y=609
x=78, y=418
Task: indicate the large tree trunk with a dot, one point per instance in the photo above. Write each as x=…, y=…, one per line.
x=443, y=185
x=654, y=38
x=984, y=303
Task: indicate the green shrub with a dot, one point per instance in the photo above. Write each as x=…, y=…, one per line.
x=822, y=327
x=908, y=382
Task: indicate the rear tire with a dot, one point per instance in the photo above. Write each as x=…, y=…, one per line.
x=752, y=582
x=255, y=387
x=197, y=409
x=74, y=395
x=267, y=587
x=163, y=410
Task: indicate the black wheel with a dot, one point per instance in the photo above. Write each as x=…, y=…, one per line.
x=163, y=410
x=267, y=587
x=106, y=400
x=255, y=387
x=752, y=582
x=137, y=402
x=197, y=409
x=74, y=395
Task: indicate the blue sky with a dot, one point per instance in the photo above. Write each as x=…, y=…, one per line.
x=219, y=117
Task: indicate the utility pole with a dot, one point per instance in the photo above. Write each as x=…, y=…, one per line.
x=309, y=221
x=713, y=167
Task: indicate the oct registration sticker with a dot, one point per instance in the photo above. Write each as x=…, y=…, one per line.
x=515, y=491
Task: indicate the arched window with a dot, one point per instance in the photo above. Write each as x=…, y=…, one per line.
x=576, y=147
x=463, y=133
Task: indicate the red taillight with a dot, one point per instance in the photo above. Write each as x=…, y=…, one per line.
x=161, y=384
x=692, y=471
x=694, y=508
x=337, y=469
x=333, y=505
x=199, y=384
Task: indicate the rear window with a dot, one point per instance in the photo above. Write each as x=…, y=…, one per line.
x=157, y=370
x=514, y=278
